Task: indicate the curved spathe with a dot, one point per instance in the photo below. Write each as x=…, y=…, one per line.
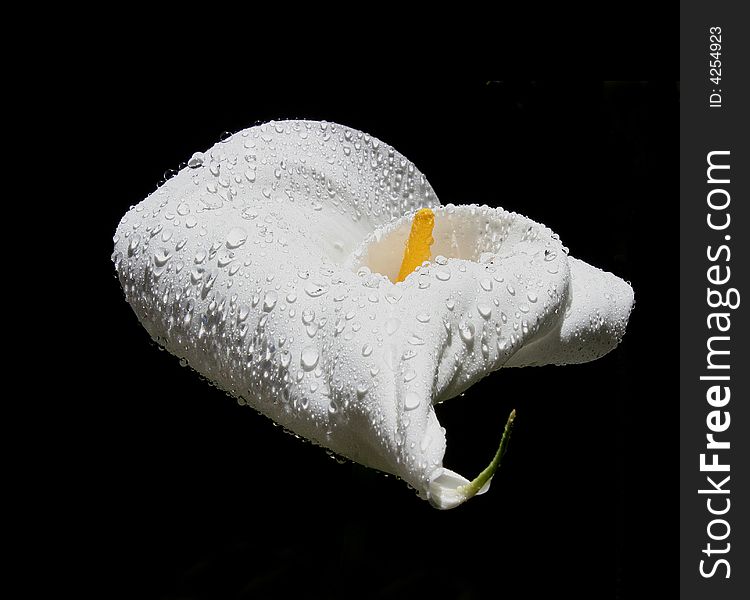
x=268, y=264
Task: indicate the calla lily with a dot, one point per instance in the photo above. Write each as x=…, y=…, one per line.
x=271, y=264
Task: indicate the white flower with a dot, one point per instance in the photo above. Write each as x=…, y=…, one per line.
x=269, y=262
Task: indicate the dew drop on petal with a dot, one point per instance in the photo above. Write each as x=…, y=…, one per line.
x=161, y=256
x=315, y=290
x=394, y=295
x=309, y=358
x=443, y=274
x=415, y=340
x=411, y=400
x=236, y=237
x=133, y=245
x=485, y=310
x=467, y=331
x=196, y=160
x=270, y=301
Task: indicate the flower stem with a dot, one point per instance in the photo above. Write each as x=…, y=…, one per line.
x=472, y=488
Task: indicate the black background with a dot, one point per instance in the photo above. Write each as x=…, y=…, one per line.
x=195, y=497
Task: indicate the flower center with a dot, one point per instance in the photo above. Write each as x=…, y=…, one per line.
x=464, y=233
x=418, y=245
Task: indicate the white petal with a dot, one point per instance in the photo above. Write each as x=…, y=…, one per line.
x=596, y=314
x=266, y=266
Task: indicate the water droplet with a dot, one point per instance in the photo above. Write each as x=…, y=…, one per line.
x=484, y=309
x=314, y=290
x=409, y=374
x=532, y=297
x=133, y=245
x=441, y=260
x=200, y=256
x=191, y=222
x=391, y=325
x=362, y=388
x=308, y=315
x=236, y=237
x=270, y=301
x=486, y=285
x=467, y=331
x=394, y=295
x=309, y=358
x=524, y=308
x=443, y=274
x=183, y=209
x=511, y=289
x=450, y=303
x=224, y=258
x=285, y=358
x=366, y=350
x=161, y=256
x=411, y=400
x=196, y=160
x=291, y=297
x=423, y=317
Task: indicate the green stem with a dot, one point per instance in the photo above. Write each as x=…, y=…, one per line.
x=473, y=487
